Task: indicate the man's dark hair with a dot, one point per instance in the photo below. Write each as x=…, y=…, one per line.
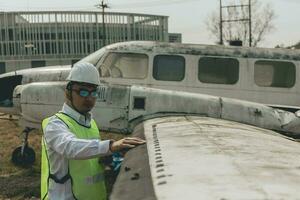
x=69, y=86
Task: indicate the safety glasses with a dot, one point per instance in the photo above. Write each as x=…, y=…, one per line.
x=86, y=93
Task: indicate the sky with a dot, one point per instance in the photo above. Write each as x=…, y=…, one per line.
x=185, y=16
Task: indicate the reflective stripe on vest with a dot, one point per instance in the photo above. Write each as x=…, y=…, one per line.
x=87, y=176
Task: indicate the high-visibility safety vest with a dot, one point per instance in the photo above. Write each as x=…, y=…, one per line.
x=87, y=176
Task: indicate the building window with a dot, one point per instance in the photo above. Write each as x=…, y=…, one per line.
x=2, y=68
x=175, y=37
x=274, y=74
x=38, y=63
x=125, y=65
x=218, y=70
x=168, y=68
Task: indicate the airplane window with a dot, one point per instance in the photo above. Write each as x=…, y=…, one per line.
x=125, y=65
x=168, y=68
x=274, y=74
x=218, y=70
x=7, y=86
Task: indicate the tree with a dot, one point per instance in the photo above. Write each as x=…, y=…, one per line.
x=263, y=16
x=295, y=46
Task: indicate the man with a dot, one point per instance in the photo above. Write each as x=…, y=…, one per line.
x=71, y=145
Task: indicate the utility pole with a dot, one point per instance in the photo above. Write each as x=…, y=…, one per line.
x=250, y=26
x=235, y=20
x=103, y=6
x=221, y=24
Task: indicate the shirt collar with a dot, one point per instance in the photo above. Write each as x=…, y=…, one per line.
x=84, y=120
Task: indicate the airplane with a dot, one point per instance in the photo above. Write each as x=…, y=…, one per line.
x=255, y=74
x=198, y=145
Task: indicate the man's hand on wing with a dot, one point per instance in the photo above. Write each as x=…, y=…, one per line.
x=126, y=143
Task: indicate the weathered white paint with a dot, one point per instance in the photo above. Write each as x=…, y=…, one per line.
x=244, y=89
x=115, y=110
x=41, y=74
x=205, y=158
x=167, y=101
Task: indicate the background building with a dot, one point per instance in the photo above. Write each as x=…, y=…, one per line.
x=175, y=37
x=35, y=39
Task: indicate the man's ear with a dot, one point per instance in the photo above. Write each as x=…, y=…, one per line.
x=68, y=94
x=68, y=91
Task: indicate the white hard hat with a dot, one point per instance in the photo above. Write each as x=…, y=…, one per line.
x=85, y=73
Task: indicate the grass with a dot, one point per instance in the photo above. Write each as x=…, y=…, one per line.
x=17, y=182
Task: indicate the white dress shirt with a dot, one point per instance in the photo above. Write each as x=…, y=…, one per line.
x=63, y=145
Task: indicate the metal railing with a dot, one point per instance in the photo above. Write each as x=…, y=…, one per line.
x=72, y=34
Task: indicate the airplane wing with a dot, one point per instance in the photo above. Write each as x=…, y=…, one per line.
x=193, y=157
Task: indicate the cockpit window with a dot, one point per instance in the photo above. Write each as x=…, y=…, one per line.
x=125, y=65
x=95, y=57
x=274, y=74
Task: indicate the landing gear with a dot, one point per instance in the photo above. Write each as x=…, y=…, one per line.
x=24, y=156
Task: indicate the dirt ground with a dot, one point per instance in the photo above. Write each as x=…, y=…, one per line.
x=16, y=182
x=23, y=183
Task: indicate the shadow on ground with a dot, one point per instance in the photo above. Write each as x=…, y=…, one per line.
x=21, y=186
